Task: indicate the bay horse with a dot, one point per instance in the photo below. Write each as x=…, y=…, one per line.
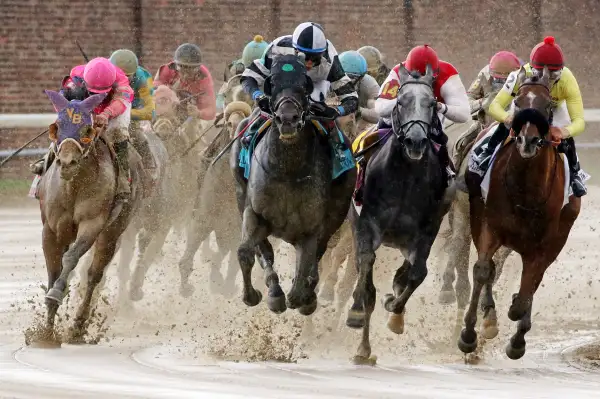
x=290, y=192
x=405, y=199
x=524, y=211
x=77, y=203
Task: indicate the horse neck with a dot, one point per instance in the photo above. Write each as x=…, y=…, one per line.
x=290, y=158
x=533, y=178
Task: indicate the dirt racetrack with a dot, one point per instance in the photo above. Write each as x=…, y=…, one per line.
x=215, y=347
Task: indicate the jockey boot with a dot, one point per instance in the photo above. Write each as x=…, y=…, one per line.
x=40, y=166
x=579, y=189
x=123, y=189
x=446, y=164
x=484, y=157
x=144, y=150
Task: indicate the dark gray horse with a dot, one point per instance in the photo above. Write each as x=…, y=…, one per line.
x=405, y=199
x=290, y=193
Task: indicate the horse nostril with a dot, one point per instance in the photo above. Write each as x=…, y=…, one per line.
x=520, y=140
x=278, y=120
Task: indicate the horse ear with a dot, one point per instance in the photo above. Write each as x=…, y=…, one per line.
x=57, y=99
x=546, y=76
x=92, y=102
x=53, y=132
x=522, y=75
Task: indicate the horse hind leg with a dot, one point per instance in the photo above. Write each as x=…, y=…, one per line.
x=306, y=277
x=196, y=234
x=150, y=245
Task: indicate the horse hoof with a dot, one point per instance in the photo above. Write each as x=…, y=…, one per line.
x=396, y=323
x=136, y=294
x=364, y=361
x=355, y=319
x=514, y=353
x=186, y=290
x=253, y=299
x=466, y=347
x=326, y=294
x=489, y=329
x=447, y=297
x=54, y=295
x=307, y=310
x=276, y=304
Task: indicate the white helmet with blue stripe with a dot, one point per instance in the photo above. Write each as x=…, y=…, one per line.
x=309, y=38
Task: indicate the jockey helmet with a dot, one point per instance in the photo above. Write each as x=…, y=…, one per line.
x=503, y=63
x=99, y=75
x=188, y=54
x=254, y=50
x=309, y=39
x=126, y=60
x=354, y=64
x=547, y=53
x=373, y=58
x=419, y=57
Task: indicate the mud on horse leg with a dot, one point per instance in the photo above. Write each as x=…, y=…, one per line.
x=266, y=259
x=53, y=253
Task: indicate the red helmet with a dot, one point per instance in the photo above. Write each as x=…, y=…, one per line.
x=503, y=63
x=547, y=53
x=418, y=58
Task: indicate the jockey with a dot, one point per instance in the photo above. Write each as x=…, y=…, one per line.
x=375, y=66
x=187, y=74
x=450, y=93
x=488, y=83
x=323, y=66
x=253, y=51
x=142, y=108
x=567, y=120
x=365, y=85
x=101, y=76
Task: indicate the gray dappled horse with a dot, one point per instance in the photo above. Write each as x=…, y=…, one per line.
x=289, y=193
x=77, y=203
x=405, y=199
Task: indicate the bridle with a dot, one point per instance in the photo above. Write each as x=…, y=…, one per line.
x=296, y=103
x=400, y=131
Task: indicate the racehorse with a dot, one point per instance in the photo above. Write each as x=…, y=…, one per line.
x=289, y=193
x=216, y=208
x=405, y=199
x=523, y=211
x=77, y=203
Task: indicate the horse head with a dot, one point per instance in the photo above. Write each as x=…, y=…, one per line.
x=73, y=132
x=533, y=113
x=234, y=113
x=289, y=88
x=413, y=115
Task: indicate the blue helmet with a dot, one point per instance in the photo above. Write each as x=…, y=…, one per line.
x=353, y=63
x=254, y=50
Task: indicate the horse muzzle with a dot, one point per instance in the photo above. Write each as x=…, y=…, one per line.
x=288, y=131
x=527, y=148
x=68, y=170
x=415, y=148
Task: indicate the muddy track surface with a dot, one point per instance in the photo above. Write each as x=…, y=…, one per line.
x=213, y=346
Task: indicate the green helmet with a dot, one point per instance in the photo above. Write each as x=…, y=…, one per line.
x=373, y=57
x=188, y=54
x=126, y=60
x=254, y=50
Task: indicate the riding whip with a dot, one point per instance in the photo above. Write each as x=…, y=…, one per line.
x=5, y=160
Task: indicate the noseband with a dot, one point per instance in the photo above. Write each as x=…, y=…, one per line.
x=296, y=103
x=400, y=132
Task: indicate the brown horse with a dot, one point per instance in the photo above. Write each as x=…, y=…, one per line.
x=524, y=212
x=77, y=203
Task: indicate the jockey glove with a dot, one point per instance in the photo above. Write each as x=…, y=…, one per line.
x=262, y=101
x=101, y=120
x=324, y=111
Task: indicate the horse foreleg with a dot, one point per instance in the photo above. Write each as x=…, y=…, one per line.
x=87, y=233
x=53, y=252
x=196, y=233
x=252, y=234
x=105, y=250
x=306, y=277
x=266, y=259
x=126, y=251
x=364, y=294
x=483, y=273
x=150, y=245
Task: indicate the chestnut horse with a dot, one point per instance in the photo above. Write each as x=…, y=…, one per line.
x=524, y=211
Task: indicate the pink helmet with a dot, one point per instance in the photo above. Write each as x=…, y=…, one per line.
x=99, y=75
x=503, y=63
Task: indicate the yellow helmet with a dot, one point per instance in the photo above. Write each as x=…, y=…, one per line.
x=373, y=57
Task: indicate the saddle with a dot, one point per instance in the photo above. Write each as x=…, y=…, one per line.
x=363, y=148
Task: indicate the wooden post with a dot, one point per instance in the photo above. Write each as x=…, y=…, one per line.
x=409, y=25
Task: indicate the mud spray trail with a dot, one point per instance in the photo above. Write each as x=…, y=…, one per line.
x=215, y=347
